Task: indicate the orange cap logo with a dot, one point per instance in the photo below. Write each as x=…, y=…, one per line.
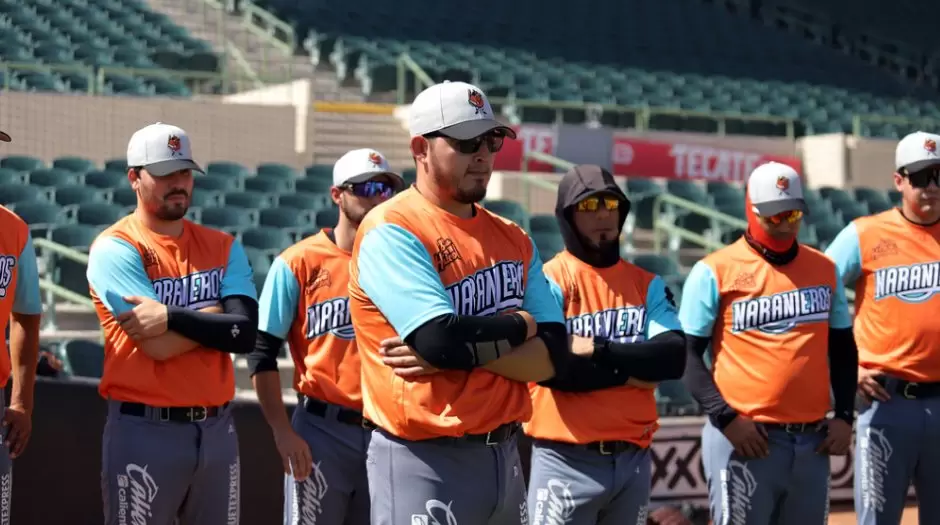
x=375, y=158
x=783, y=183
x=475, y=98
x=174, y=144
x=930, y=145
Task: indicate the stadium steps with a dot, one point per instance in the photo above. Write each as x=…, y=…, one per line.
x=276, y=68
x=333, y=134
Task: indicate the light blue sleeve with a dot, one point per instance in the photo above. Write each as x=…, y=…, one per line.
x=238, y=278
x=699, y=308
x=27, y=299
x=396, y=272
x=839, y=315
x=661, y=313
x=847, y=254
x=556, y=291
x=539, y=300
x=115, y=270
x=278, y=303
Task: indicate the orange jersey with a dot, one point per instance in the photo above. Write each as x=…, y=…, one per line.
x=19, y=278
x=413, y=262
x=769, y=328
x=195, y=270
x=305, y=300
x=895, y=266
x=626, y=304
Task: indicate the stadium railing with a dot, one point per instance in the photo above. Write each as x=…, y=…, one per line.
x=50, y=253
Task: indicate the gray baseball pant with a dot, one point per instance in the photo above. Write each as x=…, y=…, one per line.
x=445, y=482
x=6, y=470
x=788, y=487
x=157, y=472
x=897, y=442
x=337, y=491
x=572, y=485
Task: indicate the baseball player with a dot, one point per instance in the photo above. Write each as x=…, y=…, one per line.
x=175, y=299
x=305, y=301
x=590, y=458
x=21, y=312
x=892, y=258
x=464, y=289
x=775, y=314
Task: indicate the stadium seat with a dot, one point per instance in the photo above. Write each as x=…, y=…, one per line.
x=22, y=163
x=410, y=176
x=40, y=216
x=10, y=176
x=216, y=183
x=83, y=358
x=14, y=194
x=106, y=179
x=314, y=184
x=305, y=201
x=116, y=165
x=67, y=195
x=78, y=236
x=876, y=200
x=99, y=213
x=74, y=164
x=320, y=171
x=248, y=199
x=327, y=218
x=509, y=210
x=260, y=262
x=549, y=244
x=895, y=197
x=285, y=218
x=53, y=177
x=267, y=239
x=229, y=219
x=658, y=264
x=227, y=169
x=274, y=170
x=269, y=184
x=543, y=223
x=126, y=196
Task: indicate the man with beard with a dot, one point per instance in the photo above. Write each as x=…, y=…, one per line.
x=775, y=315
x=175, y=300
x=305, y=301
x=892, y=259
x=590, y=451
x=464, y=289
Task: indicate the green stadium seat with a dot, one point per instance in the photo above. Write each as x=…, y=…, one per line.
x=313, y=184
x=40, y=216
x=410, y=175
x=305, y=201
x=126, y=197
x=807, y=235
x=116, y=165
x=544, y=223
x=21, y=163
x=248, y=199
x=215, y=183
x=276, y=170
x=74, y=164
x=725, y=191
x=876, y=200
x=229, y=219
x=10, y=176
x=320, y=171
x=268, y=184
x=17, y=194
x=851, y=210
x=285, y=218
x=688, y=190
x=508, y=209
x=99, y=213
x=227, y=169
x=67, y=195
x=206, y=199
x=549, y=244
x=82, y=358
x=78, y=236
x=267, y=239
x=260, y=262
x=658, y=264
x=826, y=231
x=326, y=218
x=106, y=179
x=895, y=197
x=53, y=177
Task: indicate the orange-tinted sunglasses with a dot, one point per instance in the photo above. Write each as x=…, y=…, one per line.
x=787, y=216
x=594, y=203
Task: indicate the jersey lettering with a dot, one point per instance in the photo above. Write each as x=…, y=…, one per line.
x=914, y=283
x=7, y=263
x=780, y=313
x=330, y=316
x=196, y=290
x=622, y=325
x=490, y=290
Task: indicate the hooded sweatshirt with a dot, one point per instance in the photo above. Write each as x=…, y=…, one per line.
x=579, y=183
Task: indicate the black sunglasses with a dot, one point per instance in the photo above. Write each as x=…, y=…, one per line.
x=371, y=188
x=922, y=178
x=494, y=142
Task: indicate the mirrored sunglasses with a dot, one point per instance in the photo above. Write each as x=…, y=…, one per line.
x=371, y=188
x=787, y=216
x=493, y=141
x=594, y=203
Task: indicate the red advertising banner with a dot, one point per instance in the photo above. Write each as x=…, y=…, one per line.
x=636, y=157
x=528, y=138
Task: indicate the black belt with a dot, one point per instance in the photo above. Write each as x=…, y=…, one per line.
x=910, y=389
x=500, y=434
x=176, y=414
x=343, y=415
x=610, y=448
x=795, y=428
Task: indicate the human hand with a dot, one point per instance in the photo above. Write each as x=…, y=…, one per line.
x=749, y=439
x=868, y=386
x=404, y=361
x=148, y=318
x=838, y=438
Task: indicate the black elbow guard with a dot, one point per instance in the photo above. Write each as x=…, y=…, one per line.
x=555, y=337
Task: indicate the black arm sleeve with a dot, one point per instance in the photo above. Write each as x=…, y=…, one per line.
x=230, y=332
x=660, y=359
x=464, y=342
x=263, y=358
x=574, y=373
x=699, y=382
x=843, y=372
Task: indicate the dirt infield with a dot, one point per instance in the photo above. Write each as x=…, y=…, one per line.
x=848, y=517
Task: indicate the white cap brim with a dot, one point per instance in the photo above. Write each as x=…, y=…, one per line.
x=474, y=128
x=369, y=175
x=166, y=167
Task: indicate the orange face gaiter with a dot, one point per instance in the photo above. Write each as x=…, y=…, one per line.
x=756, y=232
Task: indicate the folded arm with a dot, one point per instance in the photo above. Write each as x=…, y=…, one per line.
x=843, y=354
x=24, y=328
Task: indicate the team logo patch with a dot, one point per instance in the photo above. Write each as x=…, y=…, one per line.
x=330, y=316
x=475, y=98
x=375, y=158
x=7, y=264
x=446, y=254
x=930, y=145
x=783, y=183
x=175, y=145
x=779, y=313
x=914, y=283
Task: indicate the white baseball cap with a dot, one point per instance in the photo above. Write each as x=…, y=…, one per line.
x=775, y=188
x=162, y=149
x=917, y=151
x=456, y=109
x=360, y=165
